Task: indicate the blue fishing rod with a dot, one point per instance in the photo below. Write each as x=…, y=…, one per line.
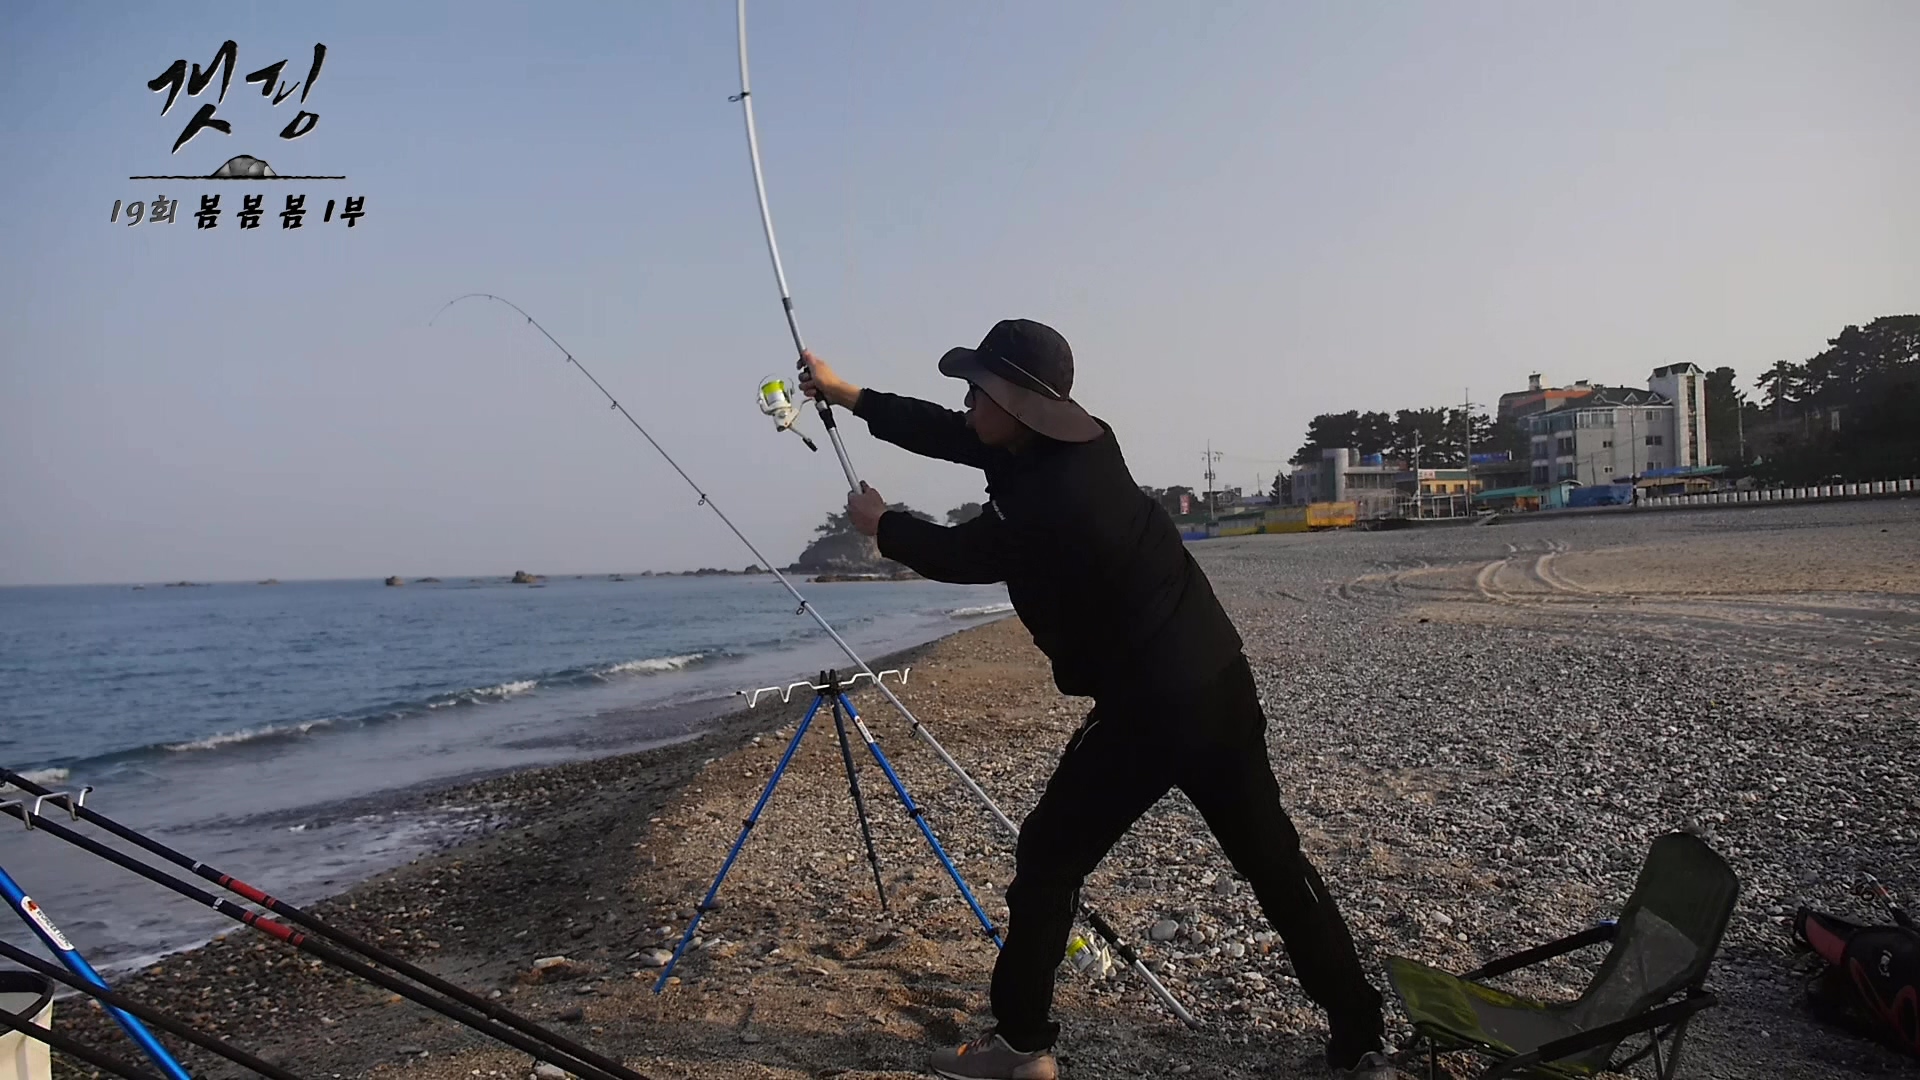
x=44, y=928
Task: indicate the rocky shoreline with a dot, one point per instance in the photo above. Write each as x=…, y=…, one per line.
x=1477, y=731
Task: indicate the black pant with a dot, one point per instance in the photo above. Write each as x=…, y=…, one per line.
x=1127, y=754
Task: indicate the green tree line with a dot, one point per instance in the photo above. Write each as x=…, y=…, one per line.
x=1438, y=437
x=1850, y=412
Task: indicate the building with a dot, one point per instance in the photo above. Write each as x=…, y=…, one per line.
x=1609, y=432
x=1442, y=493
x=1686, y=386
x=1385, y=487
x=1500, y=470
x=1517, y=406
x=1613, y=432
x=1369, y=481
x=1438, y=482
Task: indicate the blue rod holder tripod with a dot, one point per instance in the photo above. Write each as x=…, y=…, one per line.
x=831, y=692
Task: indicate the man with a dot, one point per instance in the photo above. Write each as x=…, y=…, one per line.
x=1099, y=575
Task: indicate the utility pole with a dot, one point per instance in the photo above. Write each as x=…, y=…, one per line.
x=1419, y=510
x=1466, y=409
x=1210, y=457
x=1633, y=443
x=1466, y=418
x=1740, y=424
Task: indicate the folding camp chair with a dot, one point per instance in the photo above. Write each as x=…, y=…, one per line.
x=1662, y=945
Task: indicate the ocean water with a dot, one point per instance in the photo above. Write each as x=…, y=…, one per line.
x=274, y=730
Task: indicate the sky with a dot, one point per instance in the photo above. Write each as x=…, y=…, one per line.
x=1239, y=214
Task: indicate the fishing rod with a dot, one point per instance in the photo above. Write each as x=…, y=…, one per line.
x=99, y=1059
x=745, y=98
x=1099, y=925
x=299, y=940
x=46, y=931
x=171, y=1025
x=79, y=809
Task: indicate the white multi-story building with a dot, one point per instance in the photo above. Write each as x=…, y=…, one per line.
x=1622, y=433
x=1686, y=386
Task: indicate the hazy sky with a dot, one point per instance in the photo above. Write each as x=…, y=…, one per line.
x=1239, y=214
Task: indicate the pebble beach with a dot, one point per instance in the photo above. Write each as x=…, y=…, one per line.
x=1477, y=729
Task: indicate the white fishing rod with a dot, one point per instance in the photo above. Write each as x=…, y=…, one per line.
x=770, y=389
x=1099, y=924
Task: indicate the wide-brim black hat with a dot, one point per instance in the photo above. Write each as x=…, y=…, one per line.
x=1027, y=369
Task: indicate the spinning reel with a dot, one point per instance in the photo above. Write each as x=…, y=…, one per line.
x=775, y=402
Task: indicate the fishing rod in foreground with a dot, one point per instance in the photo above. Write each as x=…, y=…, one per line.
x=43, y=928
x=541, y=1051
x=169, y=1024
x=1093, y=917
x=80, y=810
x=72, y=1047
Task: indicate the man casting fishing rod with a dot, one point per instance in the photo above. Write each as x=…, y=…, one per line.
x=1099, y=575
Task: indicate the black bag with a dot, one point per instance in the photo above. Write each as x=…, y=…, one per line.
x=1872, y=976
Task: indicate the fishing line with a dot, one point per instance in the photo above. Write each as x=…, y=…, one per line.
x=806, y=607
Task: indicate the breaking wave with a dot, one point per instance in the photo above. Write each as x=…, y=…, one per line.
x=655, y=665
x=399, y=710
x=486, y=693
x=977, y=612
x=42, y=777
x=247, y=735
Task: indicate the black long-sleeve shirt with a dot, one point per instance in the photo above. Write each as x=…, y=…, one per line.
x=1094, y=566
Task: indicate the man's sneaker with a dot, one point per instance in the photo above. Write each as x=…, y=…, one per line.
x=1372, y=1065
x=990, y=1058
